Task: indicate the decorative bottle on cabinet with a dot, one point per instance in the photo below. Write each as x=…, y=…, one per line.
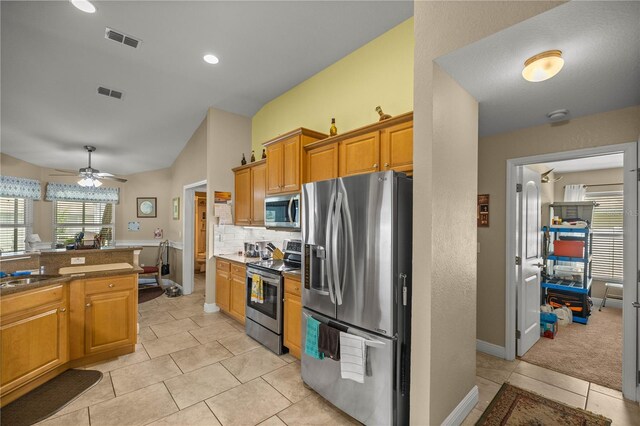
x=264, y=153
x=253, y=156
x=244, y=160
x=333, y=130
x=382, y=115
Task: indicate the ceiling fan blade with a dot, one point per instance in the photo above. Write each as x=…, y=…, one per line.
x=113, y=178
x=67, y=175
x=103, y=174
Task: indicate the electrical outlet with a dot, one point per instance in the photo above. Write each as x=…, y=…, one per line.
x=77, y=260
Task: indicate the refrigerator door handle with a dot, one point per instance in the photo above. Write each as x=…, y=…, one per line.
x=334, y=249
x=349, y=249
x=328, y=258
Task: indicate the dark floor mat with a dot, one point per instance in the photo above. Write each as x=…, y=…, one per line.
x=48, y=398
x=146, y=294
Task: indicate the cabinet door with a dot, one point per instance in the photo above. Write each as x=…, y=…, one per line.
x=258, y=188
x=222, y=290
x=242, y=206
x=360, y=154
x=238, y=301
x=322, y=163
x=275, y=158
x=110, y=320
x=396, y=147
x=33, y=344
x=292, y=324
x=291, y=164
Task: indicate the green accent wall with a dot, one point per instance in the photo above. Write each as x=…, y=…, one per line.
x=378, y=73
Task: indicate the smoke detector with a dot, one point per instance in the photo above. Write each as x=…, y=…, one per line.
x=558, y=115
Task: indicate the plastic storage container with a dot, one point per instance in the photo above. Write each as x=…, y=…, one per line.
x=582, y=210
x=568, y=248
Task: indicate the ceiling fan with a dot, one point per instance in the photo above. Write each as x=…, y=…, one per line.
x=544, y=178
x=90, y=177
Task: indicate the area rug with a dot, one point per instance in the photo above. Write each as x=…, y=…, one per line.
x=515, y=406
x=591, y=352
x=146, y=294
x=49, y=398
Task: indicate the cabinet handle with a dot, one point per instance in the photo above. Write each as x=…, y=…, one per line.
x=88, y=305
x=62, y=310
x=386, y=164
x=375, y=166
x=111, y=285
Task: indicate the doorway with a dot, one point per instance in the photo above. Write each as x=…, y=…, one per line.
x=190, y=237
x=523, y=303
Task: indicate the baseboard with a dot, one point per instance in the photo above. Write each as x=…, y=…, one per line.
x=463, y=409
x=211, y=308
x=611, y=303
x=491, y=349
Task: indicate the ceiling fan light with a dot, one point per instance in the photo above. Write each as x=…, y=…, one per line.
x=96, y=183
x=84, y=5
x=543, y=66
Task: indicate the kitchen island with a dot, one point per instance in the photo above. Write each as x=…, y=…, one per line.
x=54, y=322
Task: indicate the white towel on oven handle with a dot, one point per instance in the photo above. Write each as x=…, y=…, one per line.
x=353, y=357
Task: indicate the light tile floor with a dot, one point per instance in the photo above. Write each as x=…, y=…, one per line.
x=493, y=372
x=192, y=368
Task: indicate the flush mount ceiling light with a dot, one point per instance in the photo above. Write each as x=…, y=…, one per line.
x=543, y=66
x=211, y=59
x=84, y=5
x=558, y=115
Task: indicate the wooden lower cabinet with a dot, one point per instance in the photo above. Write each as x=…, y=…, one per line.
x=292, y=316
x=34, y=339
x=231, y=288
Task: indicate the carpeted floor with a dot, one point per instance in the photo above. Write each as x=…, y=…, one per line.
x=49, y=398
x=515, y=406
x=592, y=352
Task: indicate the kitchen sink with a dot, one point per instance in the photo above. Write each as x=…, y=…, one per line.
x=20, y=281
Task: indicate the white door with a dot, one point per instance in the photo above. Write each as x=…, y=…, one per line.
x=529, y=251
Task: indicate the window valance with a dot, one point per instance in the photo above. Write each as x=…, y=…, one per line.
x=71, y=192
x=15, y=187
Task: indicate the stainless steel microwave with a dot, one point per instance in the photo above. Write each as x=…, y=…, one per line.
x=282, y=211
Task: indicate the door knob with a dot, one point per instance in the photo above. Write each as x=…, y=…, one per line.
x=636, y=305
x=540, y=265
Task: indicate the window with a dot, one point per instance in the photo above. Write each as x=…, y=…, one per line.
x=15, y=223
x=607, y=225
x=72, y=217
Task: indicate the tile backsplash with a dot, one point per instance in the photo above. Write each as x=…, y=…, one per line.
x=231, y=239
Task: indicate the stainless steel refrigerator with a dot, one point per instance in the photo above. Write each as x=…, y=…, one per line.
x=356, y=265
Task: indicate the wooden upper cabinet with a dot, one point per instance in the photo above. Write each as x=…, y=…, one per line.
x=396, y=147
x=322, y=163
x=258, y=191
x=360, y=154
x=275, y=161
x=291, y=164
x=242, y=208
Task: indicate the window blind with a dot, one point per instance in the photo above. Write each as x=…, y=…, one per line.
x=15, y=223
x=607, y=225
x=72, y=217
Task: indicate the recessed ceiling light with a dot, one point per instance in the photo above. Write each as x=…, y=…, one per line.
x=211, y=59
x=84, y=5
x=543, y=66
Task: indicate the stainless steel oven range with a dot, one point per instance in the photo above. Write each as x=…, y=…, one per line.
x=264, y=320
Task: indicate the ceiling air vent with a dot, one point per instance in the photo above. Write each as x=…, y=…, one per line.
x=109, y=92
x=121, y=38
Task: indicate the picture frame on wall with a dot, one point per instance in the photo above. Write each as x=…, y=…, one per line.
x=176, y=208
x=147, y=206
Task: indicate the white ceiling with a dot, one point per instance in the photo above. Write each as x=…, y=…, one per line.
x=54, y=57
x=612, y=161
x=600, y=42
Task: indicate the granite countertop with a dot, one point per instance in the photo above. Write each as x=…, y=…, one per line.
x=100, y=250
x=57, y=279
x=296, y=274
x=234, y=257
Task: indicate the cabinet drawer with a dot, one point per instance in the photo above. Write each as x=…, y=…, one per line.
x=238, y=270
x=12, y=304
x=100, y=285
x=222, y=265
x=292, y=286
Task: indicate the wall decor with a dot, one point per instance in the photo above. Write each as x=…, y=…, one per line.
x=176, y=208
x=133, y=226
x=147, y=206
x=157, y=234
x=483, y=211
